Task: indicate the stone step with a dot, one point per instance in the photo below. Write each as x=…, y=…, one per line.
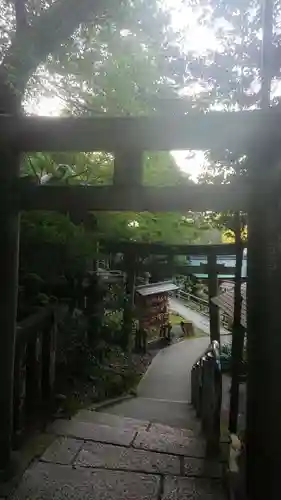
x=69, y=451
x=93, y=432
x=172, y=413
x=48, y=480
x=175, y=442
x=118, y=421
x=109, y=456
x=169, y=430
x=112, y=420
x=159, y=438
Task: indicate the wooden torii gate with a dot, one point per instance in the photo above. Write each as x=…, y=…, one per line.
x=252, y=133
x=133, y=251
x=256, y=134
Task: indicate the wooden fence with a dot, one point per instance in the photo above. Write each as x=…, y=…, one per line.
x=206, y=395
x=201, y=305
x=34, y=370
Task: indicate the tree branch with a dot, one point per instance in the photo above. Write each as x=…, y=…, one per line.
x=49, y=30
x=21, y=17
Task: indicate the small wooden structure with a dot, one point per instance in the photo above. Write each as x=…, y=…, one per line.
x=133, y=252
x=152, y=304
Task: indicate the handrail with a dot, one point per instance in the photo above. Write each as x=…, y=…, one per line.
x=191, y=296
x=34, y=369
x=203, y=306
x=206, y=394
x=213, y=348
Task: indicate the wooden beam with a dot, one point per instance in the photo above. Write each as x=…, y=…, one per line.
x=133, y=199
x=197, y=130
x=181, y=269
x=163, y=249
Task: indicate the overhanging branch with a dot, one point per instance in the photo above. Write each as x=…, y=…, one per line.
x=49, y=30
x=21, y=18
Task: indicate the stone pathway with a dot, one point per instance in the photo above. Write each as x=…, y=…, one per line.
x=199, y=320
x=111, y=456
x=164, y=391
x=99, y=456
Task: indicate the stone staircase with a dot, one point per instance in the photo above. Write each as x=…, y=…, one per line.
x=105, y=456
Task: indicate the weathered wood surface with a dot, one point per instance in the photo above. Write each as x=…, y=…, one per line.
x=128, y=168
x=129, y=300
x=163, y=249
x=180, y=269
x=237, y=331
x=263, y=429
x=263, y=434
x=132, y=198
x=206, y=390
x=34, y=369
x=197, y=130
x=9, y=251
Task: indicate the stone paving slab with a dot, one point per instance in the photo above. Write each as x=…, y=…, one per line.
x=117, y=457
x=169, y=443
x=202, y=468
x=62, y=451
x=171, y=431
x=97, y=417
x=45, y=481
x=171, y=413
x=178, y=488
x=93, y=432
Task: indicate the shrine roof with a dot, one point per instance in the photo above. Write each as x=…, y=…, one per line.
x=155, y=288
x=225, y=301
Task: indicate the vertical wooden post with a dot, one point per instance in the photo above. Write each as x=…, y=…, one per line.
x=263, y=432
x=95, y=259
x=49, y=341
x=237, y=330
x=34, y=373
x=128, y=169
x=9, y=252
x=20, y=395
x=129, y=302
x=212, y=291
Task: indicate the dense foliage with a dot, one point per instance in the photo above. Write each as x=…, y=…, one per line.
x=122, y=58
x=130, y=63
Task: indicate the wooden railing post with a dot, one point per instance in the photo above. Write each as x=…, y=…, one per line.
x=34, y=372
x=212, y=291
x=19, y=403
x=206, y=395
x=49, y=360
